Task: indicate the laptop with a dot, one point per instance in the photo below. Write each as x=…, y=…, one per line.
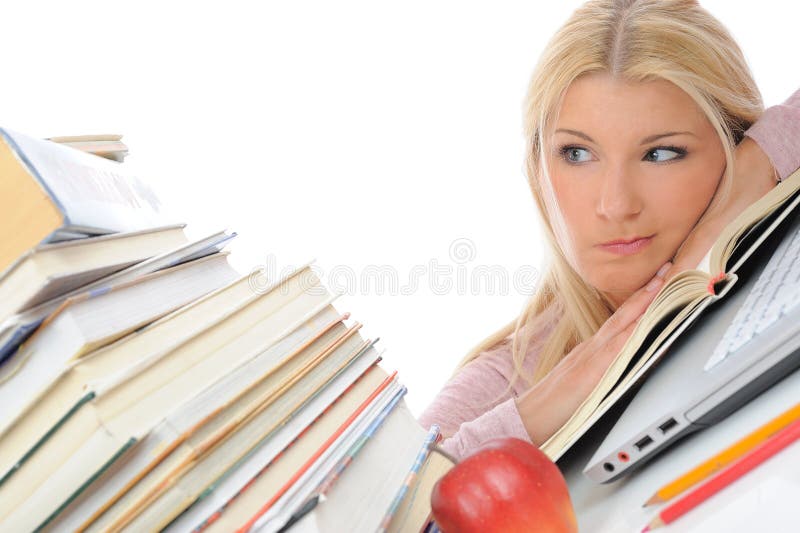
x=744, y=343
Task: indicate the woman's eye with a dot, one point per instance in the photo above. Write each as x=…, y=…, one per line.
x=573, y=154
x=658, y=155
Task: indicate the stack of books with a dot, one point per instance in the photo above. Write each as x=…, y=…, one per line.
x=146, y=385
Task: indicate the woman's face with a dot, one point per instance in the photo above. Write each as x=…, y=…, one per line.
x=630, y=162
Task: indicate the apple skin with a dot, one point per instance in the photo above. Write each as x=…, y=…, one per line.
x=507, y=486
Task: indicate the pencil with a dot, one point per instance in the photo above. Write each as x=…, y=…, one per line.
x=752, y=459
x=724, y=458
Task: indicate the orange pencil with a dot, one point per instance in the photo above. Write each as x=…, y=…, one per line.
x=725, y=457
x=758, y=455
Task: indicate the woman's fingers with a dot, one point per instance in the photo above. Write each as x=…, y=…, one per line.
x=585, y=363
x=596, y=363
x=608, y=352
x=550, y=402
x=630, y=310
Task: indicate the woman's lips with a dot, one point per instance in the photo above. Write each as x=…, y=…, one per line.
x=626, y=248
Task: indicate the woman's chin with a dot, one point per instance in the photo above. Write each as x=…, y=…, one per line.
x=620, y=281
x=618, y=293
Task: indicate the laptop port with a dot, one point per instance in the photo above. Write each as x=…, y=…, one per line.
x=643, y=443
x=668, y=425
x=624, y=457
x=608, y=467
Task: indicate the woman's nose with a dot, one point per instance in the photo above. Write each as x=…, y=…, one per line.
x=618, y=198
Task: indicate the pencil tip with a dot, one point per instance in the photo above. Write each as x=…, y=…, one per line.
x=653, y=500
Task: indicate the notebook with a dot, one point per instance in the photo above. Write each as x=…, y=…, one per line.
x=747, y=342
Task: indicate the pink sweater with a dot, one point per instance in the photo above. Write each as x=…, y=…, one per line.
x=477, y=404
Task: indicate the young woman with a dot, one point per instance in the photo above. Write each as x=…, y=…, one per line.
x=646, y=135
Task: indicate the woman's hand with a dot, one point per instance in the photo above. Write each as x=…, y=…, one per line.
x=753, y=177
x=547, y=405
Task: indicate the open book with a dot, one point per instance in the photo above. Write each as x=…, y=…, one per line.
x=677, y=305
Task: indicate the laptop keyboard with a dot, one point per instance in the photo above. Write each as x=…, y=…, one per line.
x=775, y=293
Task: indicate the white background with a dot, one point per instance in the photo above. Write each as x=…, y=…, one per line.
x=357, y=133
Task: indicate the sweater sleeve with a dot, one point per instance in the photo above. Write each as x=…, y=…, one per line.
x=477, y=405
x=777, y=132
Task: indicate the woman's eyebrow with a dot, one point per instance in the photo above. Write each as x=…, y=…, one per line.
x=646, y=140
x=652, y=138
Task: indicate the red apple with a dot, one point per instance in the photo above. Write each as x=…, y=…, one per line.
x=507, y=486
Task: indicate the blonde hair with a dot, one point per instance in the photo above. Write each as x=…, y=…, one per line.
x=633, y=40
